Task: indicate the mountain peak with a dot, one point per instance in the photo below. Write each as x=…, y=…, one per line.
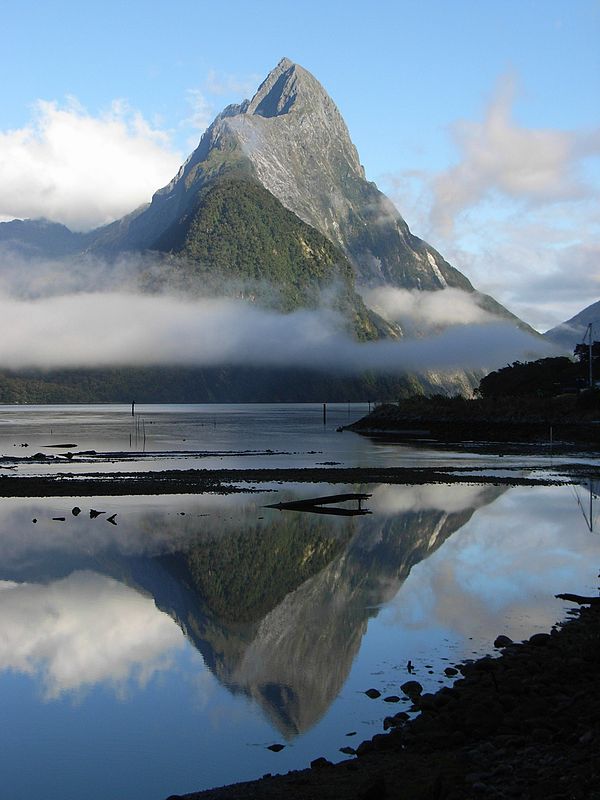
x=288, y=86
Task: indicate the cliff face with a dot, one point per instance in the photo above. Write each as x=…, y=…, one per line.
x=301, y=151
x=291, y=138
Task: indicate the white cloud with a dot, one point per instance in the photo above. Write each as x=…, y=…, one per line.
x=427, y=311
x=498, y=155
x=111, y=329
x=242, y=86
x=81, y=170
x=202, y=112
x=83, y=630
x=517, y=213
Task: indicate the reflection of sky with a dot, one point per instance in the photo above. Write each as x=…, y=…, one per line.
x=83, y=630
x=147, y=705
x=501, y=570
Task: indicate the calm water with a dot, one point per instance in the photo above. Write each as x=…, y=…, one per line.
x=164, y=654
x=205, y=436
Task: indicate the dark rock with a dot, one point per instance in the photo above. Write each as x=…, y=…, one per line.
x=276, y=748
x=94, y=513
x=364, y=747
x=485, y=664
x=373, y=694
x=34, y=520
x=450, y=671
x=392, y=698
x=59, y=519
x=502, y=641
x=375, y=791
x=426, y=702
x=540, y=639
x=412, y=689
x=76, y=511
x=320, y=763
x=349, y=751
x=384, y=741
x=395, y=721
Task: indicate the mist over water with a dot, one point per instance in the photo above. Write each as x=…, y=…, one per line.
x=91, y=313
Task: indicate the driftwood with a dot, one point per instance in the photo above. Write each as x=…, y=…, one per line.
x=578, y=598
x=315, y=504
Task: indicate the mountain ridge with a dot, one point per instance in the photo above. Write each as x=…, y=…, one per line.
x=572, y=331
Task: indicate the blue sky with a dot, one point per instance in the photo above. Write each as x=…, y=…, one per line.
x=480, y=119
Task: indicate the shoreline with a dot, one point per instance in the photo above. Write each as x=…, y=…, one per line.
x=220, y=481
x=524, y=725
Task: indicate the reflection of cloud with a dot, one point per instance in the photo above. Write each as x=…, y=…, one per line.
x=503, y=567
x=82, y=630
x=144, y=527
x=390, y=500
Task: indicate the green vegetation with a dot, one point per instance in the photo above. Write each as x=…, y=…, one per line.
x=241, y=578
x=546, y=377
x=200, y=385
x=534, y=401
x=240, y=239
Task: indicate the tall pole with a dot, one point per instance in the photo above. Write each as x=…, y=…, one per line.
x=590, y=329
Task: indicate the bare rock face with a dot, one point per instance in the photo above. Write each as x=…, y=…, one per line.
x=291, y=138
x=299, y=146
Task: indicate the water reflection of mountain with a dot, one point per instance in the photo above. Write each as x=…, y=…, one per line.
x=278, y=606
x=279, y=611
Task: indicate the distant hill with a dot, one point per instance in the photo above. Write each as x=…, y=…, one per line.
x=570, y=333
x=40, y=238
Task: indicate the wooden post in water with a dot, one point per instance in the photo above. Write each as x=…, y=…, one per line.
x=133, y=408
x=324, y=413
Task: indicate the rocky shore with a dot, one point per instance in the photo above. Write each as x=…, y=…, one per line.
x=527, y=421
x=524, y=725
